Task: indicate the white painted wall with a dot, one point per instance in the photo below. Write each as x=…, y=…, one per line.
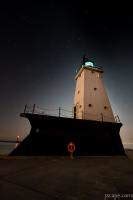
x=92, y=104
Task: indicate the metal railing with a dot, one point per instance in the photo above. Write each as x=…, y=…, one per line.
x=61, y=112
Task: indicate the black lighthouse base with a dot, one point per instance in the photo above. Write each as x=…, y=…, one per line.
x=50, y=135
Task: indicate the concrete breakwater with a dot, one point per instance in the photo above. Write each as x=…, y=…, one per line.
x=55, y=177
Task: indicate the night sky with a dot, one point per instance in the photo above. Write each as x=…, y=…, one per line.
x=41, y=46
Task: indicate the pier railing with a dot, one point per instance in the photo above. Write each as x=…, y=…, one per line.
x=61, y=112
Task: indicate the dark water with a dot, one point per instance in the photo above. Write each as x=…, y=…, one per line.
x=6, y=147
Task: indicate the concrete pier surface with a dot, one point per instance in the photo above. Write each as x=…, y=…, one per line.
x=60, y=178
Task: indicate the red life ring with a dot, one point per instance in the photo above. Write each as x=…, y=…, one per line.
x=71, y=147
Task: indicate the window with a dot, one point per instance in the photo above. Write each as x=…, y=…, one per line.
x=105, y=107
x=95, y=88
x=80, y=106
x=78, y=91
x=90, y=105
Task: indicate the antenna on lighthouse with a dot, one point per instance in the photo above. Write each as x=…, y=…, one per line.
x=86, y=61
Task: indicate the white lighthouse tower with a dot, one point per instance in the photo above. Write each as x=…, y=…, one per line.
x=91, y=101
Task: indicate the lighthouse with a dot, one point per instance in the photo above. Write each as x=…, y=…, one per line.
x=93, y=130
x=91, y=101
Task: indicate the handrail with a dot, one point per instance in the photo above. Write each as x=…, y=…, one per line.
x=61, y=112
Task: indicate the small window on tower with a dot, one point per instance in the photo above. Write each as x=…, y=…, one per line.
x=90, y=105
x=78, y=91
x=105, y=107
x=80, y=106
x=95, y=88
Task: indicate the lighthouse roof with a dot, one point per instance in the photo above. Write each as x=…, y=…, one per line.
x=88, y=66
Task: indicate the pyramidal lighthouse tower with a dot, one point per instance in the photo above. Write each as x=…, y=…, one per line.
x=91, y=101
